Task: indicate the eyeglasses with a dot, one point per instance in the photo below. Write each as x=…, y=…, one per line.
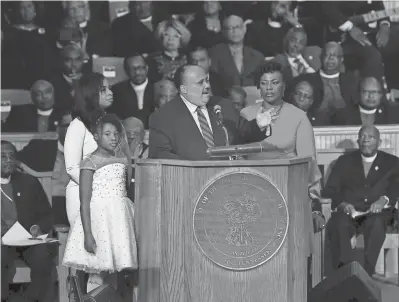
x=371, y=92
x=233, y=28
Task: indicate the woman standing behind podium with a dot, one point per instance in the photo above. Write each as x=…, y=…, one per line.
x=92, y=97
x=291, y=133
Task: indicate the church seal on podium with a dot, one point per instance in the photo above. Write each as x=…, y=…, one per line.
x=240, y=220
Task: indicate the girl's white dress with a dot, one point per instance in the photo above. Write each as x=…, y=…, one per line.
x=112, y=221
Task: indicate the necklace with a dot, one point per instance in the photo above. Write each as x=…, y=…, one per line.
x=275, y=112
x=6, y=195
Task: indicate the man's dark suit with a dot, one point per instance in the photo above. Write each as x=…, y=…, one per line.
x=223, y=64
x=350, y=116
x=64, y=100
x=336, y=13
x=32, y=208
x=175, y=135
x=131, y=36
x=126, y=103
x=348, y=183
x=24, y=119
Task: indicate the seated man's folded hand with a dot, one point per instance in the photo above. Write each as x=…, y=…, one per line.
x=378, y=205
x=347, y=208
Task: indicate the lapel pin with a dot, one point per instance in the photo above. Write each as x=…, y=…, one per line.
x=42, y=31
x=56, y=123
x=379, y=111
x=311, y=57
x=313, y=118
x=376, y=168
x=18, y=194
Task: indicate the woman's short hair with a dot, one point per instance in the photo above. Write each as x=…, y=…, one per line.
x=267, y=67
x=185, y=34
x=87, y=94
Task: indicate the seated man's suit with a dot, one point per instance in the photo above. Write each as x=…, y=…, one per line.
x=351, y=183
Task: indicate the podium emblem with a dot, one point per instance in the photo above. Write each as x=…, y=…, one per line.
x=240, y=220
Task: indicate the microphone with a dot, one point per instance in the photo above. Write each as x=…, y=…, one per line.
x=218, y=111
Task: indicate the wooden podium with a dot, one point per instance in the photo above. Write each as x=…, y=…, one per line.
x=215, y=231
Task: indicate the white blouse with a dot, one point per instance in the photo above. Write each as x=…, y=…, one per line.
x=79, y=142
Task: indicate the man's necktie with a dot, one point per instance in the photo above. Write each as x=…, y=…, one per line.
x=205, y=129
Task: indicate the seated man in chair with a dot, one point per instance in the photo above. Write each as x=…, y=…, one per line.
x=366, y=181
x=24, y=200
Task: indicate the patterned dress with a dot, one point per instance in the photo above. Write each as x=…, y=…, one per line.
x=112, y=221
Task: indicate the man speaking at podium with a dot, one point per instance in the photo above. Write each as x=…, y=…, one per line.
x=188, y=125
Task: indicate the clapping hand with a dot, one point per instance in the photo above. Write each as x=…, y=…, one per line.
x=358, y=35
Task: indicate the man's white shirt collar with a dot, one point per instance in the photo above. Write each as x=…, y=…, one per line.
x=140, y=87
x=83, y=24
x=44, y=112
x=273, y=24
x=148, y=19
x=369, y=159
x=329, y=76
x=191, y=107
x=365, y=111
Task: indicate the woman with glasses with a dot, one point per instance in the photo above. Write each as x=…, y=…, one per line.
x=308, y=99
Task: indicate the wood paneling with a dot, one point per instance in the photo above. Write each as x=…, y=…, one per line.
x=172, y=266
x=21, y=139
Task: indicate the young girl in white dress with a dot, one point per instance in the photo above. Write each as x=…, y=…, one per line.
x=102, y=239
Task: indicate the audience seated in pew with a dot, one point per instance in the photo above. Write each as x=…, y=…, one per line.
x=238, y=96
x=135, y=137
x=339, y=87
x=41, y=116
x=206, y=27
x=65, y=80
x=174, y=36
x=164, y=91
x=306, y=97
x=370, y=110
x=134, y=32
x=135, y=96
x=366, y=180
x=200, y=56
x=31, y=43
x=232, y=60
x=24, y=200
x=97, y=36
x=265, y=35
x=298, y=58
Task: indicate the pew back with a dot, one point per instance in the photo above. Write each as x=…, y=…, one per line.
x=21, y=139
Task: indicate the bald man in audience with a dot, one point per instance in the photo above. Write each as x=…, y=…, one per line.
x=38, y=117
x=135, y=96
x=339, y=87
x=164, y=91
x=366, y=181
x=371, y=110
x=234, y=61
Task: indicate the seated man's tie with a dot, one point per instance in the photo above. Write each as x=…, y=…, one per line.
x=205, y=129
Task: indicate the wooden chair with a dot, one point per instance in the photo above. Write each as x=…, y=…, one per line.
x=16, y=96
x=321, y=260
x=111, y=68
